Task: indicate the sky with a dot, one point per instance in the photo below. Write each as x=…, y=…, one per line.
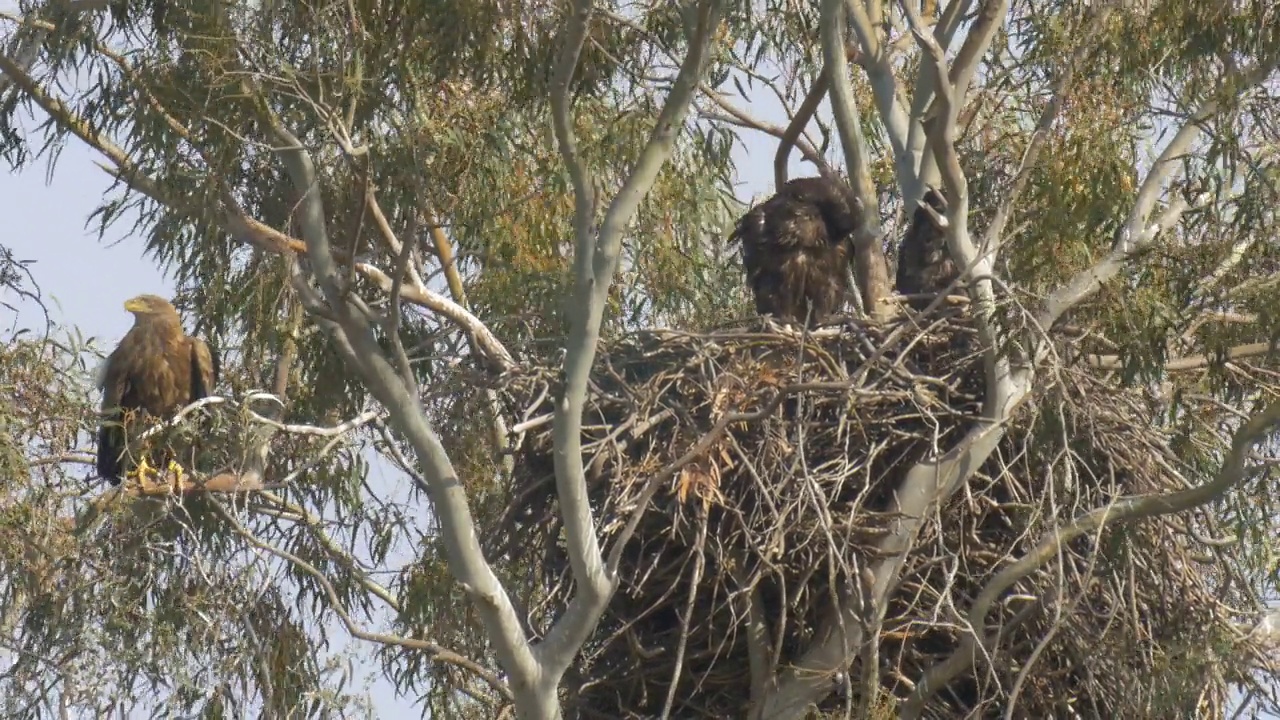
x=84, y=281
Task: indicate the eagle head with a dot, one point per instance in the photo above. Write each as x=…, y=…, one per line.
x=149, y=306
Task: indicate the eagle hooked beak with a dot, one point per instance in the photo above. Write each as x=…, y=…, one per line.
x=135, y=305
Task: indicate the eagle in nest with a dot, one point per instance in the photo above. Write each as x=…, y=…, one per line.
x=796, y=248
x=925, y=267
x=154, y=372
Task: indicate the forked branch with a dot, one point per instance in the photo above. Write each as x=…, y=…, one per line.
x=870, y=267
x=353, y=335
x=1124, y=510
x=595, y=265
x=1137, y=231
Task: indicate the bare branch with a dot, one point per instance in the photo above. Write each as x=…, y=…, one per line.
x=354, y=339
x=920, y=166
x=479, y=336
x=792, y=135
x=1121, y=511
x=595, y=265
x=869, y=262
x=1136, y=232
x=884, y=84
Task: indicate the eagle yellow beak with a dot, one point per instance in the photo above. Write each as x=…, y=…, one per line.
x=134, y=305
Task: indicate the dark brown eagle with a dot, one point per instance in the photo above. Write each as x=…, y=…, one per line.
x=796, y=248
x=155, y=371
x=925, y=266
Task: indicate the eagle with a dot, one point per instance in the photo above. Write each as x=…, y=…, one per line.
x=796, y=248
x=925, y=266
x=155, y=371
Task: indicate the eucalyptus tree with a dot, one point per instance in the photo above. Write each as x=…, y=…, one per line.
x=382, y=209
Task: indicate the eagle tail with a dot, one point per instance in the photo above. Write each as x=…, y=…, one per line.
x=110, y=448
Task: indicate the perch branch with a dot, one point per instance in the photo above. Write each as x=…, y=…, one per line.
x=1121, y=511
x=869, y=261
x=595, y=265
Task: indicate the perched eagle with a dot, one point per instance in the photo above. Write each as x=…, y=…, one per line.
x=925, y=266
x=796, y=248
x=155, y=371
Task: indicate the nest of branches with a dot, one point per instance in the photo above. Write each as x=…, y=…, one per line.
x=758, y=470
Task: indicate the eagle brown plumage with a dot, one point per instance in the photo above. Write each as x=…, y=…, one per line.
x=155, y=371
x=925, y=266
x=796, y=248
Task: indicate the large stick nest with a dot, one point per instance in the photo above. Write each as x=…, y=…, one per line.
x=772, y=460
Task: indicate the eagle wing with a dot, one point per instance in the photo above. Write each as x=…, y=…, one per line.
x=116, y=385
x=924, y=263
x=205, y=367
x=794, y=249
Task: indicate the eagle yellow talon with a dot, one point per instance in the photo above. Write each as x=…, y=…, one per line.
x=142, y=472
x=178, y=473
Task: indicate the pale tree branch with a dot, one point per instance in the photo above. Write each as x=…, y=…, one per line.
x=422, y=296
x=920, y=167
x=884, y=84
x=1120, y=511
x=448, y=264
x=353, y=336
x=870, y=266
x=991, y=17
x=977, y=264
x=595, y=266
x=1136, y=232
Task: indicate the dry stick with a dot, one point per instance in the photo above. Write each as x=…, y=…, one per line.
x=699, y=449
x=699, y=562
